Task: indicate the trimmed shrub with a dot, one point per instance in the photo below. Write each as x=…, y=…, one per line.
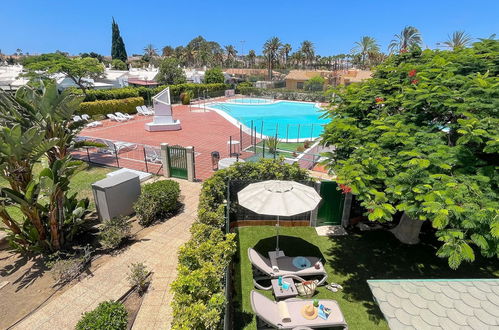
x=114, y=231
x=185, y=98
x=138, y=275
x=109, y=315
x=199, y=299
x=157, y=200
x=111, y=106
x=107, y=94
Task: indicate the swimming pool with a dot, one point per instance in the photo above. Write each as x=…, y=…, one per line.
x=292, y=121
x=250, y=101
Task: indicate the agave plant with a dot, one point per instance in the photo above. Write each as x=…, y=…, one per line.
x=271, y=143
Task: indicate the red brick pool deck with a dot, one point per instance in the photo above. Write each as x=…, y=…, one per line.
x=206, y=131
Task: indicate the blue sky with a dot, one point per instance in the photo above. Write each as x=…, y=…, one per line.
x=333, y=26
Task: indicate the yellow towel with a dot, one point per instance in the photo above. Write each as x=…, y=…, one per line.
x=283, y=311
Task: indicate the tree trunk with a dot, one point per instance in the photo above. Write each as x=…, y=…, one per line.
x=408, y=229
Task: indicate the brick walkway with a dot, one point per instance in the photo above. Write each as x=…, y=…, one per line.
x=158, y=250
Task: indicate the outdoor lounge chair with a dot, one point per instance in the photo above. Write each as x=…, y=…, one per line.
x=115, y=118
x=287, y=314
x=124, y=115
x=139, y=111
x=283, y=266
x=77, y=118
x=85, y=117
x=153, y=155
x=115, y=147
x=94, y=124
x=147, y=111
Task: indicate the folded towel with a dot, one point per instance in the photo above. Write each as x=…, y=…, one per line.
x=283, y=312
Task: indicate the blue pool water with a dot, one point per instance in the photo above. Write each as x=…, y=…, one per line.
x=250, y=100
x=291, y=120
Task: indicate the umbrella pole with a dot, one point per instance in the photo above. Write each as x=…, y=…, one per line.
x=277, y=228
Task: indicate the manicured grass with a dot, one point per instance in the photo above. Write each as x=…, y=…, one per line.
x=350, y=261
x=81, y=184
x=287, y=146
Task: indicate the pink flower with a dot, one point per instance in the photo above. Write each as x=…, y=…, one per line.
x=412, y=73
x=414, y=82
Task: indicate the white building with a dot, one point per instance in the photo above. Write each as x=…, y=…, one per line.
x=10, y=77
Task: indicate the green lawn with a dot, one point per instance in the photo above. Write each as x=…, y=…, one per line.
x=350, y=261
x=287, y=146
x=81, y=183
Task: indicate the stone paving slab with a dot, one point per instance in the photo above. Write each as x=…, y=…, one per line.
x=158, y=250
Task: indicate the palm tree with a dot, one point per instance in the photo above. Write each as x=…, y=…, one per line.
x=251, y=58
x=270, y=50
x=286, y=49
x=231, y=53
x=409, y=37
x=307, y=48
x=459, y=39
x=167, y=51
x=367, y=45
x=150, y=51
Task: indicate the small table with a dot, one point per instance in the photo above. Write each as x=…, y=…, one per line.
x=226, y=162
x=280, y=293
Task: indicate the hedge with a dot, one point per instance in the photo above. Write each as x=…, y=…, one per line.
x=146, y=93
x=111, y=106
x=284, y=94
x=107, y=94
x=199, y=300
x=195, y=90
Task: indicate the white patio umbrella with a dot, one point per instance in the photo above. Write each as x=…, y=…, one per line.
x=279, y=198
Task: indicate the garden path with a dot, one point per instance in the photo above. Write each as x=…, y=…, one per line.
x=158, y=250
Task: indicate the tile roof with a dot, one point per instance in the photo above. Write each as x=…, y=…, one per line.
x=438, y=304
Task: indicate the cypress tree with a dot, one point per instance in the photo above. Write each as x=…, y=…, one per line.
x=118, y=50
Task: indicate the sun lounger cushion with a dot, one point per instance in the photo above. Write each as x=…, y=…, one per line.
x=285, y=265
x=268, y=311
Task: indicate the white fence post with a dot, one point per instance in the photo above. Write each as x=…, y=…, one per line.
x=165, y=160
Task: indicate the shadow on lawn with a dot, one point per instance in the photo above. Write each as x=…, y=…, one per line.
x=293, y=246
x=379, y=255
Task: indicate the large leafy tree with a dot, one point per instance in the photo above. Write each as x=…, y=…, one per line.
x=78, y=69
x=36, y=124
x=270, y=50
x=214, y=76
x=170, y=72
x=421, y=139
x=408, y=38
x=118, y=50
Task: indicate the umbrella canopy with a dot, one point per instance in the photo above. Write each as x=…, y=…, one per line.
x=279, y=198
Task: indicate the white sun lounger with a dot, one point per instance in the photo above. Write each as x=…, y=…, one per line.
x=287, y=314
x=115, y=118
x=77, y=118
x=153, y=155
x=85, y=117
x=283, y=266
x=113, y=147
x=94, y=124
x=139, y=111
x=124, y=115
x=147, y=111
